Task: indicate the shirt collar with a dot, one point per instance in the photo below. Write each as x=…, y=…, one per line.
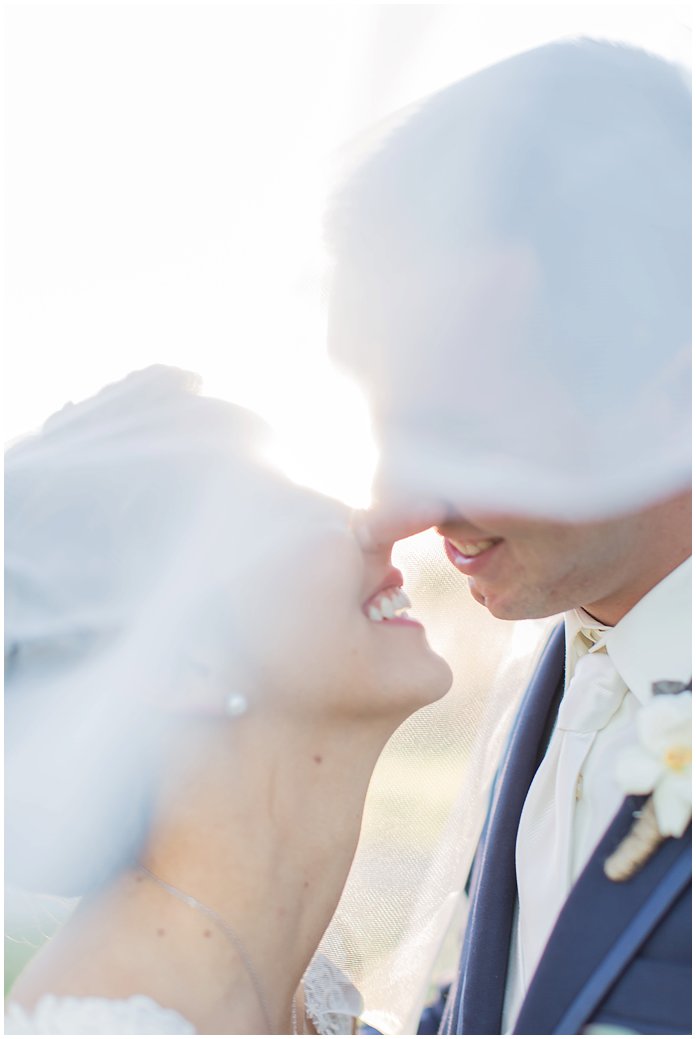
x=576, y=645
x=652, y=643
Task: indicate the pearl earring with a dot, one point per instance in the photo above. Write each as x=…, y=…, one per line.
x=235, y=705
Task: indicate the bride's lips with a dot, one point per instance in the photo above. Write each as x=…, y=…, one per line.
x=392, y=579
x=381, y=606
x=471, y=557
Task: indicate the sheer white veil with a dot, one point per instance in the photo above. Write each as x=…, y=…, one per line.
x=511, y=285
x=136, y=521
x=512, y=282
x=132, y=521
x=531, y=221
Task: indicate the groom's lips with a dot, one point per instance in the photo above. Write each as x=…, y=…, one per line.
x=471, y=564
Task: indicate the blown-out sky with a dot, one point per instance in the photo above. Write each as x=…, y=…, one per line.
x=166, y=170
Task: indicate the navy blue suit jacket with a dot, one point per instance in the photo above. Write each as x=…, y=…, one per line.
x=620, y=953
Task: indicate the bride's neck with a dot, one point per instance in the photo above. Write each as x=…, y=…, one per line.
x=264, y=834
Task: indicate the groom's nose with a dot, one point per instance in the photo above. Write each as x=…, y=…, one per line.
x=392, y=520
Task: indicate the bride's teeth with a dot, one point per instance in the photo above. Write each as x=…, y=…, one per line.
x=389, y=606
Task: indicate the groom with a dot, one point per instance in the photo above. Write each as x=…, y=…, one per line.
x=512, y=286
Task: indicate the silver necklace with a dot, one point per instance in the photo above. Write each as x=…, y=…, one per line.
x=235, y=941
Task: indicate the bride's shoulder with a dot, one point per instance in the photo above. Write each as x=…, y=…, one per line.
x=71, y=1015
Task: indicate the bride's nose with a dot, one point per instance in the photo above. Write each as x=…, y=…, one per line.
x=361, y=524
x=379, y=527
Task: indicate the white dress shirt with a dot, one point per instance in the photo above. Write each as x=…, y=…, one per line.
x=651, y=643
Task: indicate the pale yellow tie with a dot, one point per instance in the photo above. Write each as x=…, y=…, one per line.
x=545, y=835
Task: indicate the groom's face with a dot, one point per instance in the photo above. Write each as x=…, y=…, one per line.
x=519, y=567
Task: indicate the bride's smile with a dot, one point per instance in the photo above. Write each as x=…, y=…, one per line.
x=389, y=603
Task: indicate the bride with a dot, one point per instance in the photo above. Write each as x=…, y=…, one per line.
x=202, y=670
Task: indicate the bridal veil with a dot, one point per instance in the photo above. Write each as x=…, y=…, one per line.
x=511, y=283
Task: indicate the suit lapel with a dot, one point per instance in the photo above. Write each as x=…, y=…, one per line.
x=477, y=1000
x=599, y=930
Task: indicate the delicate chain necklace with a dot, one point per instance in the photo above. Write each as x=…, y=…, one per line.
x=235, y=941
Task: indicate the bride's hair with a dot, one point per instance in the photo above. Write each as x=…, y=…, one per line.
x=115, y=584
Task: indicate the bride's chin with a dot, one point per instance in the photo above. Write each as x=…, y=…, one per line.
x=441, y=682
x=421, y=686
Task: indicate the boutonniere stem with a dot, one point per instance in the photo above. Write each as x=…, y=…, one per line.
x=634, y=851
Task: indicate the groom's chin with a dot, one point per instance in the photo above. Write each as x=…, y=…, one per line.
x=505, y=605
x=495, y=606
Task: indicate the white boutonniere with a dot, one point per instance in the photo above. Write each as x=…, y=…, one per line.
x=660, y=766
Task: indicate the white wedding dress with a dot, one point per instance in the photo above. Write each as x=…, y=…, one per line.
x=331, y=1003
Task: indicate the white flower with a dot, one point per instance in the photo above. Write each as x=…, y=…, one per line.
x=661, y=764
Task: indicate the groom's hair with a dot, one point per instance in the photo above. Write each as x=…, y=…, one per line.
x=579, y=151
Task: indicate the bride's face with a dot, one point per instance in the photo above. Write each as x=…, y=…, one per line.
x=325, y=620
